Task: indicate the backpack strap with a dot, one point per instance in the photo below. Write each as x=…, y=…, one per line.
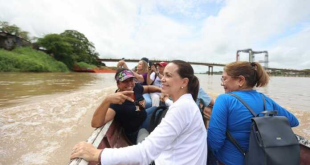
x=154, y=79
x=245, y=104
x=228, y=134
x=264, y=102
x=234, y=141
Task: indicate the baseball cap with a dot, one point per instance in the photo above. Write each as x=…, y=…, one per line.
x=145, y=59
x=162, y=64
x=124, y=75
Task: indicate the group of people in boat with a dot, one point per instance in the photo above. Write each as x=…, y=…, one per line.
x=182, y=137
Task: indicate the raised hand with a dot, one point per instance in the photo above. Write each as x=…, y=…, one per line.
x=153, y=68
x=120, y=97
x=164, y=97
x=207, y=111
x=122, y=64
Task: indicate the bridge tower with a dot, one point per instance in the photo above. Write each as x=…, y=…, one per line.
x=210, y=70
x=252, y=56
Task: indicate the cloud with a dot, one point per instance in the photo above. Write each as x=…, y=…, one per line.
x=187, y=30
x=293, y=51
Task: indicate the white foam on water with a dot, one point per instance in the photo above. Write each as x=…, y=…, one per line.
x=40, y=157
x=7, y=82
x=31, y=133
x=37, y=82
x=306, y=131
x=64, y=132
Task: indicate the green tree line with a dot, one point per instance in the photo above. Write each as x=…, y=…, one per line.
x=70, y=47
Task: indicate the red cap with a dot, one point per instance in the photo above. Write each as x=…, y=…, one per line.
x=162, y=64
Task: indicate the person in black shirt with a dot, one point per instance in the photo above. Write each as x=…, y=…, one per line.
x=126, y=105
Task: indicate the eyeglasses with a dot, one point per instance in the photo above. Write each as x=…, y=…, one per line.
x=226, y=78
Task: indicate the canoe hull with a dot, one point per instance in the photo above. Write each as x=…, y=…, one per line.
x=113, y=137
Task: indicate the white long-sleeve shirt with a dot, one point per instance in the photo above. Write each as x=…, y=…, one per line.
x=180, y=139
x=168, y=102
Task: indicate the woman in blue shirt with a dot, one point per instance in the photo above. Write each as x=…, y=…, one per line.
x=229, y=114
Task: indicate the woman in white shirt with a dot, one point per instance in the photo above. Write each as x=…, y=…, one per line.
x=180, y=138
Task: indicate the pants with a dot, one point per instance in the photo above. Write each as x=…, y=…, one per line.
x=148, y=100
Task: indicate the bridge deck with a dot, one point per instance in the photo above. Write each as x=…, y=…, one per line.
x=201, y=63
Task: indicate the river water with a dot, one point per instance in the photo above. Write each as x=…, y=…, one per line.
x=42, y=115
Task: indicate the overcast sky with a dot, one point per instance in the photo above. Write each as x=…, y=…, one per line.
x=191, y=30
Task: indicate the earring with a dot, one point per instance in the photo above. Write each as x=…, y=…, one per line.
x=182, y=87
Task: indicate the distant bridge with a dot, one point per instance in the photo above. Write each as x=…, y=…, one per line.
x=210, y=65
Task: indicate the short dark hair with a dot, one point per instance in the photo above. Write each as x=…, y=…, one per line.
x=145, y=59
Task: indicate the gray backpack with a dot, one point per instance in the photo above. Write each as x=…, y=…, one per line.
x=272, y=141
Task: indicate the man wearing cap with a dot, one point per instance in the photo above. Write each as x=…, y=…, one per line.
x=154, y=78
x=126, y=105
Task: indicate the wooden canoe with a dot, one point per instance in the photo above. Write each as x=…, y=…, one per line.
x=110, y=136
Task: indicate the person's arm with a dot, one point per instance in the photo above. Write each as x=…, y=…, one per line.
x=139, y=77
x=160, y=76
x=103, y=113
x=207, y=111
x=283, y=112
x=218, y=124
x=122, y=63
x=211, y=104
x=150, y=77
x=165, y=98
x=151, y=89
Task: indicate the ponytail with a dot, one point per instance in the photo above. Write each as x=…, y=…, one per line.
x=193, y=87
x=262, y=76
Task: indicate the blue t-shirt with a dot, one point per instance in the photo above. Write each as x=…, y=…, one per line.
x=203, y=97
x=126, y=113
x=230, y=114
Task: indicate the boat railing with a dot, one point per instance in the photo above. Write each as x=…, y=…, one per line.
x=94, y=139
x=110, y=136
x=303, y=141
